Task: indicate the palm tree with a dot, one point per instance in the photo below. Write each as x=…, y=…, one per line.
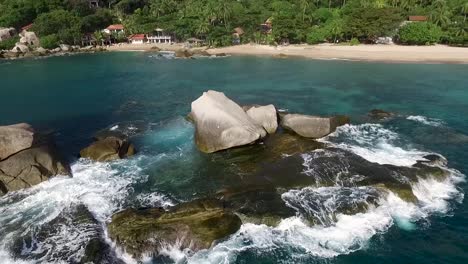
x=304, y=5
x=464, y=10
x=440, y=15
x=224, y=10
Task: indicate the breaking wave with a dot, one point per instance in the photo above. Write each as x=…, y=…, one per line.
x=426, y=120
x=376, y=144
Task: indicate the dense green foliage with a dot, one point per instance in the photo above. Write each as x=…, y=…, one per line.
x=294, y=21
x=9, y=43
x=420, y=33
x=50, y=42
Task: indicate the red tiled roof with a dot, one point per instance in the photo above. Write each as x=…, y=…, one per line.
x=115, y=27
x=417, y=18
x=27, y=27
x=137, y=36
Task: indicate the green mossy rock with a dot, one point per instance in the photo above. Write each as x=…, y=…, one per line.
x=197, y=224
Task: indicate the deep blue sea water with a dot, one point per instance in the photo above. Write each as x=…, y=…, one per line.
x=76, y=96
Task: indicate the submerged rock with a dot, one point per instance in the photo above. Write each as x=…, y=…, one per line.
x=107, y=149
x=379, y=114
x=221, y=123
x=264, y=116
x=27, y=158
x=196, y=224
x=312, y=126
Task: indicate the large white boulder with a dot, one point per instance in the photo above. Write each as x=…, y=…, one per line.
x=29, y=38
x=312, y=126
x=20, y=48
x=6, y=33
x=264, y=116
x=221, y=123
x=65, y=47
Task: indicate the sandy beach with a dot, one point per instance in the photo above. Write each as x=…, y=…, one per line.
x=387, y=53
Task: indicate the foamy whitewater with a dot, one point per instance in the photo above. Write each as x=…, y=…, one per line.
x=426, y=121
x=106, y=188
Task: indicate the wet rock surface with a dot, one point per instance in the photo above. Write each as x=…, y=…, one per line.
x=84, y=228
x=196, y=225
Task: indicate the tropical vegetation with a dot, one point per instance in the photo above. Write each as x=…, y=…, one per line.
x=293, y=21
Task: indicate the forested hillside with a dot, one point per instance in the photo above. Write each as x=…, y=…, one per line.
x=296, y=21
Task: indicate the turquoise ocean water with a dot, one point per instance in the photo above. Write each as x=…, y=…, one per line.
x=74, y=97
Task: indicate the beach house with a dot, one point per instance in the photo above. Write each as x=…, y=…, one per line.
x=159, y=36
x=112, y=29
x=138, y=39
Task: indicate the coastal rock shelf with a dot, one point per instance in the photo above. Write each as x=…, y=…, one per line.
x=198, y=224
x=27, y=158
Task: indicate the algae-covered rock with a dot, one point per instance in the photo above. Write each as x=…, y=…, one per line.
x=312, y=126
x=197, y=224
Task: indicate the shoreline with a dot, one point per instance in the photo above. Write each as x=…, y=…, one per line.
x=368, y=53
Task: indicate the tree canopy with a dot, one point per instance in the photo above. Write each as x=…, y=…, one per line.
x=294, y=21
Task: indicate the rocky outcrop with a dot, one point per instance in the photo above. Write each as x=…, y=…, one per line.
x=198, y=224
x=29, y=39
x=27, y=158
x=221, y=123
x=15, y=138
x=20, y=48
x=6, y=33
x=264, y=116
x=312, y=126
x=108, y=148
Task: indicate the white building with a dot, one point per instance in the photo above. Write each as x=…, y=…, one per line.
x=137, y=39
x=160, y=37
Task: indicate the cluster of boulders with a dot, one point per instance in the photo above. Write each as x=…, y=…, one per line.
x=25, y=51
x=222, y=124
x=27, y=158
x=29, y=46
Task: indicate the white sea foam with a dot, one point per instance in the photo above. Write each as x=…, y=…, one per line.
x=154, y=199
x=374, y=143
x=426, y=120
x=102, y=187
x=348, y=234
